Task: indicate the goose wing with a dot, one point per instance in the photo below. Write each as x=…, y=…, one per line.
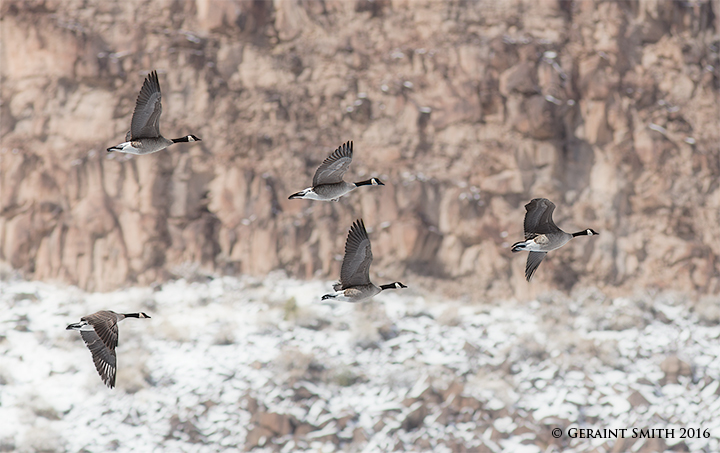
x=102, y=341
x=146, y=117
x=538, y=218
x=103, y=357
x=533, y=261
x=333, y=168
x=358, y=257
x=105, y=325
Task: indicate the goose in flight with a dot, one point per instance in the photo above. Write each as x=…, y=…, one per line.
x=355, y=285
x=100, y=333
x=144, y=135
x=542, y=235
x=328, y=183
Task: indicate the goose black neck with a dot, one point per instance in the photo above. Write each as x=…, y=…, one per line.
x=580, y=233
x=187, y=138
x=395, y=285
x=131, y=315
x=364, y=183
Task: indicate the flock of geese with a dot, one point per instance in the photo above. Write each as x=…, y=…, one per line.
x=100, y=330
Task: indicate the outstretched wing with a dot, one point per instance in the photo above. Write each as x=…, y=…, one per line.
x=538, y=218
x=333, y=168
x=533, y=261
x=103, y=357
x=358, y=257
x=146, y=117
x=105, y=325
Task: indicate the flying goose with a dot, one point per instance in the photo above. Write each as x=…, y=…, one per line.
x=144, y=135
x=541, y=234
x=100, y=333
x=328, y=184
x=355, y=285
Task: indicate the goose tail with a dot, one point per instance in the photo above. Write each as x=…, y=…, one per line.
x=518, y=246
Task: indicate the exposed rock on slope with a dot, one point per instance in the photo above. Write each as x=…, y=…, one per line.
x=466, y=109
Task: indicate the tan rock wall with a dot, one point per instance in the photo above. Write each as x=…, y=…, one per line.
x=467, y=110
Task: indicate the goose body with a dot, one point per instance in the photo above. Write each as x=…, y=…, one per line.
x=99, y=331
x=355, y=284
x=542, y=235
x=144, y=135
x=328, y=183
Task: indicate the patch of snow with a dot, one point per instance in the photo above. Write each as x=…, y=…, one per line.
x=214, y=354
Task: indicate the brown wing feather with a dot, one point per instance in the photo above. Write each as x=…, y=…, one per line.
x=533, y=261
x=538, y=218
x=358, y=257
x=103, y=357
x=105, y=324
x=334, y=167
x=148, y=108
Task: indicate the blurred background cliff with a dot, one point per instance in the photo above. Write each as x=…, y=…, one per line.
x=466, y=110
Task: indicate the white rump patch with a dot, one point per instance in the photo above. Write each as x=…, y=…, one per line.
x=127, y=148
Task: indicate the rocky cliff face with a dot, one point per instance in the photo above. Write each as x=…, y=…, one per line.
x=467, y=110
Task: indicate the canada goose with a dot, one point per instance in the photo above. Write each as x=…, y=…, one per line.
x=144, y=134
x=541, y=234
x=355, y=285
x=328, y=184
x=100, y=333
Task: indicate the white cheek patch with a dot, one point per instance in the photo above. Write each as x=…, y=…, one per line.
x=190, y=138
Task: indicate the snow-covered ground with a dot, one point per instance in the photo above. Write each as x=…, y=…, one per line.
x=236, y=363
